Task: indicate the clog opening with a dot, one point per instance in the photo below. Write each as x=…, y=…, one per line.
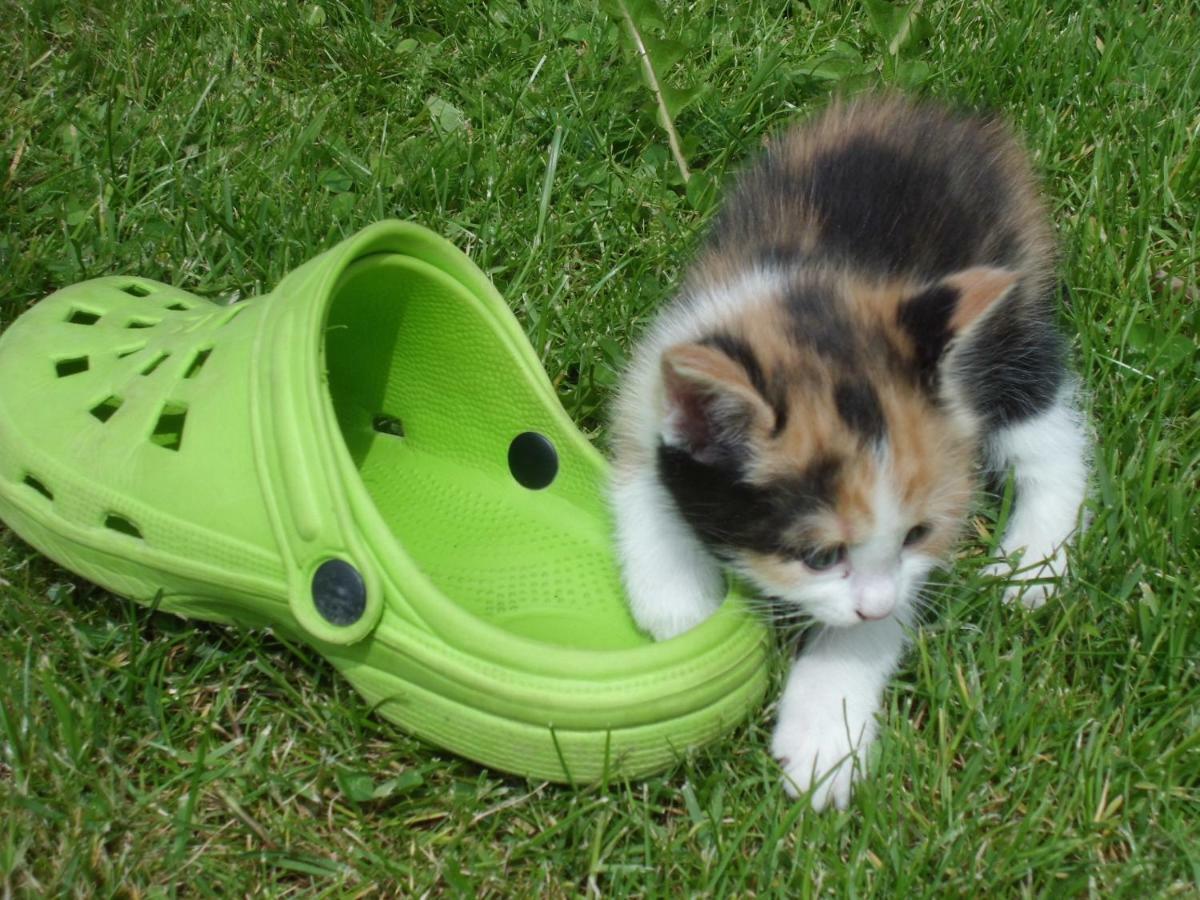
x=475, y=474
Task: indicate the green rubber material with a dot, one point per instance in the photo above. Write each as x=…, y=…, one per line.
x=209, y=458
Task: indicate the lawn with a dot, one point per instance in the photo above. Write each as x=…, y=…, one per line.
x=217, y=145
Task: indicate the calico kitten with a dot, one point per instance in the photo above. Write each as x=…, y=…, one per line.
x=872, y=313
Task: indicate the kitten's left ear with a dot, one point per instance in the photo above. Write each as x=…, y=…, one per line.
x=712, y=406
x=951, y=307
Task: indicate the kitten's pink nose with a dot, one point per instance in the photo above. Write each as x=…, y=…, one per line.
x=876, y=598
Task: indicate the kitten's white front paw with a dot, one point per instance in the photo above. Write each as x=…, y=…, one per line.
x=822, y=748
x=669, y=613
x=672, y=582
x=666, y=600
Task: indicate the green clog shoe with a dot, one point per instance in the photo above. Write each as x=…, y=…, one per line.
x=369, y=459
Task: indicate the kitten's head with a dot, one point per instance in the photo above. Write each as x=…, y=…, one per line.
x=815, y=443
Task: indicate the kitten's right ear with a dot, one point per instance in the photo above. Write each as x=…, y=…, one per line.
x=712, y=406
x=948, y=309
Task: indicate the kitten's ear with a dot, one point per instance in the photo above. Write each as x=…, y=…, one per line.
x=949, y=308
x=712, y=406
x=979, y=289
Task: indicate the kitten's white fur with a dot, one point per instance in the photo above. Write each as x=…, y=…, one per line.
x=673, y=583
x=826, y=719
x=1048, y=456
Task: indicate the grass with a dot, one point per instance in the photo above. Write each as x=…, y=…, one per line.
x=216, y=146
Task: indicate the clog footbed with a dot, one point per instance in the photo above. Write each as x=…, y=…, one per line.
x=370, y=459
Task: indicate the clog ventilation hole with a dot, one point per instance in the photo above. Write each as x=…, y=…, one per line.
x=169, y=427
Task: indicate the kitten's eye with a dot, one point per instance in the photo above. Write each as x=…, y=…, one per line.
x=820, y=558
x=916, y=534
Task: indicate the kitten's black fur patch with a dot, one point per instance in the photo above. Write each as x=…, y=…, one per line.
x=929, y=201
x=729, y=513
x=1013, y=367
x=926, y=319
x=889, y=210
x=858, y=406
